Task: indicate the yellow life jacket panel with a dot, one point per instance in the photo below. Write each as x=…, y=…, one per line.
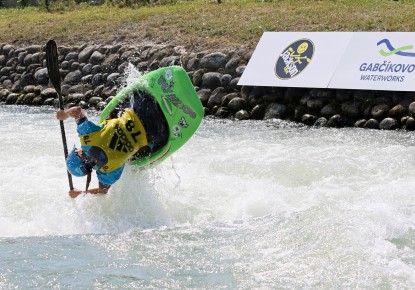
x=119, y=138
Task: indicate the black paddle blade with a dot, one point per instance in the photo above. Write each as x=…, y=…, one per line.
x=52, y=64
x=55, y=78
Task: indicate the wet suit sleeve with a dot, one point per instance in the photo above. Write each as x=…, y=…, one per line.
x=85, y=126
x=106, y=179
x=104, y=186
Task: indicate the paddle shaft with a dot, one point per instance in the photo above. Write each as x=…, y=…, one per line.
x=54, y=76
x=65, y=150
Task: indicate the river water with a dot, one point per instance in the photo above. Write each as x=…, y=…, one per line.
x=243, y=205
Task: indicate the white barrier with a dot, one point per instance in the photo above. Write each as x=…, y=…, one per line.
x=339, y=60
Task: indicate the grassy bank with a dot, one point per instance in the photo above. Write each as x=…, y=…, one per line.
x=201, y=24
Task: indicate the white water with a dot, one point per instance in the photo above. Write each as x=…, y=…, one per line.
x=243, y=205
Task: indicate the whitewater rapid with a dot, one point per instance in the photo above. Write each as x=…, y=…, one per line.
x=242, y=205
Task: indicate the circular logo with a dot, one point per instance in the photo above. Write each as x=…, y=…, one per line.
x=294, y=59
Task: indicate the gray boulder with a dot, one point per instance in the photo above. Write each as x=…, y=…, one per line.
x=335, y=121
x=228, y=97
x=12, y=98
x=411, y=109
x=237, y=104
x=360, y=123
x=96, y=58
x=73, y=78
x=112, y=79
x=410, y=124
x=197, y=77
x=380, y=111
x=308, y=119
x=225, y=80
x=398, y=111
x=87, y=69
x=204, y=95
x=42, y=76
x=27, y=79
x=111, y=63
x=242, y=115
x=258, y=112
x=240, y=70
x=193, y=64
x=86, y=53
x=49, y=93
x=169, y=61
x=388, y=124
x=350, y=109
x=216, y=98
x=372, y=124
x=320, y=122
x=329, y=110
x=222, y=112
x=231, y=65
x=97, y=79
x=3, y=94
x=213, y=61
x=72, y=56
x=211, y=80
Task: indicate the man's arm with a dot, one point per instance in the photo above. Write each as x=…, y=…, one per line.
x=75, y=192
x=74, y=112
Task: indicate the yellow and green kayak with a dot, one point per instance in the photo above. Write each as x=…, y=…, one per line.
x=174, y=92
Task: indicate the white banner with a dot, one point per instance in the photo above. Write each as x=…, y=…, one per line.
x=378, y=61
x=346, y=60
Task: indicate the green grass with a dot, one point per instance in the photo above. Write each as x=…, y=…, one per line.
x=201, y=24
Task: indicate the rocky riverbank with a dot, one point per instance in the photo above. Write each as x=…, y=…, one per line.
x=92, y=75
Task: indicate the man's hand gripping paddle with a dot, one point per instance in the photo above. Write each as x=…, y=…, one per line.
x=54, y=76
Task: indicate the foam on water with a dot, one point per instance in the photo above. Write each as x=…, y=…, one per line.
x=267, y=203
